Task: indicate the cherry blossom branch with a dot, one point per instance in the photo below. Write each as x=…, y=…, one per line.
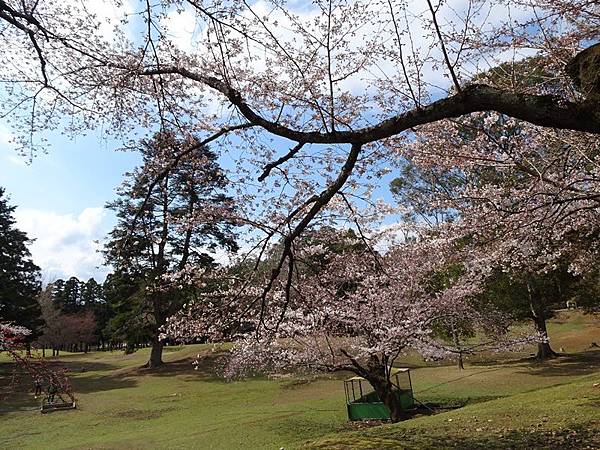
x=361, y=234
x=443, y=46
x=283, y=48
x=543, y=110
x=401, y=54
x=319, y=203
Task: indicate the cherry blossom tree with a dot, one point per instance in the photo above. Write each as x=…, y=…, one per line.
x=343, y=84
x=358, y=312
x=526, y=199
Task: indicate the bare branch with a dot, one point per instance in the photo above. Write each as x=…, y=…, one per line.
x=289, y=155
x=443, y=46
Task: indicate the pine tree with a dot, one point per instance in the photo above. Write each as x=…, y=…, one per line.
x=19, y=276
x=91, y=293
x=72, y=296
x=164, y=229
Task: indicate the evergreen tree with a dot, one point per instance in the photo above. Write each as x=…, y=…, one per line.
x=71, y=298
x=125, y=318
x=56, y=290
x=19, y=276
x=171, y=217
x=91, y=293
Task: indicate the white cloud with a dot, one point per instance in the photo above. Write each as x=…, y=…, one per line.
x=390, y=235
x=65, y=244
x=6, y=137
x=182, y=28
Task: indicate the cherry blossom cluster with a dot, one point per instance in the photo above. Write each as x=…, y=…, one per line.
x=528, y=197
x=344, y=309
x=11, y=335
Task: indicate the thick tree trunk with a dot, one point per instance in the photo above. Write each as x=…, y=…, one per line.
x=538, y=314
x=377, y=377
x=160, y=318
x=544, y=350
x=391, y=401
x=155, y=354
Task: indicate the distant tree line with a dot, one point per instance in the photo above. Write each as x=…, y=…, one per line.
x=74, y=315
x=79, y=316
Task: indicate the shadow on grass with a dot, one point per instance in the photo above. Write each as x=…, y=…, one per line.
x=84, y=377
x=573, y=364
x=208, y=368
x=100, y=383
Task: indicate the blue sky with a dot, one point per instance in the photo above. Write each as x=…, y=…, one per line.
x=60, y=197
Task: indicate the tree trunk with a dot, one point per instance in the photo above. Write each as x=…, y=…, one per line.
x=155, y=354
x=461, y=365
x=538, y=314
x=544, y=350
x=392, y=402
x=377, y=377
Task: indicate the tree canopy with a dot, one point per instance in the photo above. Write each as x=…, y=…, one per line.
x=344, y=84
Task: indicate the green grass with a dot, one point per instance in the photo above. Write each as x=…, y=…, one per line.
x=565, y=416
x=120, y=406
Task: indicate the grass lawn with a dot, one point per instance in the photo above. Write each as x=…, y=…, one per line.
x=509, y=403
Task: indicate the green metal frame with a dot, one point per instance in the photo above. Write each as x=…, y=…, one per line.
x=363, y=403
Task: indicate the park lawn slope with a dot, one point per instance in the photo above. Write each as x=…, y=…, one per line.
x=121, y=406
x=564, y=416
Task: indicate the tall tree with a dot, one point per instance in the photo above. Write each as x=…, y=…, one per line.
x=127, y=319
x=293, y=71
x=91, y=293
x=19, y=276
x=71, y=296
x=167, y=230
